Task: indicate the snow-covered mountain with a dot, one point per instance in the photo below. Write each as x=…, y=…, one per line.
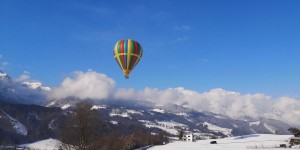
x=20, y=123
x=27, y=92
x=17, y=121
x=36, y=85
x=172, y=118
x=4, y=76
x=168, y=117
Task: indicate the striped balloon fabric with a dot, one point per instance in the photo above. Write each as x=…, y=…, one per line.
x=127, y=53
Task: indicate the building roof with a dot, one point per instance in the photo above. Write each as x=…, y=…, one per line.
x=188, y=133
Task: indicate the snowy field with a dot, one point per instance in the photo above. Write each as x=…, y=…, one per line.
x=255, y=141
x=168, y=126
x=248, y=142
x=48, y=144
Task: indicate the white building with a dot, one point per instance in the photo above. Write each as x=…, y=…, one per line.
x=189, y=137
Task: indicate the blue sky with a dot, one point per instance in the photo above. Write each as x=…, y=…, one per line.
x=246, y=46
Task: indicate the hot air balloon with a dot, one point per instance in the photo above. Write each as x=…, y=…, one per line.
x=127, y=53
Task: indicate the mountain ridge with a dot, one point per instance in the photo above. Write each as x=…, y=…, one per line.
x=26, y=106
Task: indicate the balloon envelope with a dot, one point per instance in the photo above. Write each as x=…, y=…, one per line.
x=127, y=53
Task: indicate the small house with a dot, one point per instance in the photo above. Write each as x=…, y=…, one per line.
x=189, y=137
x=294, y=141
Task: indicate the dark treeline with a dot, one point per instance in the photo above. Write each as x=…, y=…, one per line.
x=85, y=129
x=295, y=131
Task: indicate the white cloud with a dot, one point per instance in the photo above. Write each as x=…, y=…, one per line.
x=23, y=77
x=287, y=108
x=95, y=85
x=84, y=85
x=224, y=102
x=3, y=65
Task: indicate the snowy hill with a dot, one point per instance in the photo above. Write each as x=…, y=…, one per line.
x=21, y=123
x=17, y=126
x=48, y=144
x=254, y=141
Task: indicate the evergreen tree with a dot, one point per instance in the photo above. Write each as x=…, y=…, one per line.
x=295, y=131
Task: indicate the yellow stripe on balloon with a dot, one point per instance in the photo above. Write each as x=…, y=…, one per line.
x=129, y=51
x=117, y=54
x=137, y=55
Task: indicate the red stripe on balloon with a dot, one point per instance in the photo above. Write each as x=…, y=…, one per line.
x=122, y=53
x=136, y=47
x=132, y=62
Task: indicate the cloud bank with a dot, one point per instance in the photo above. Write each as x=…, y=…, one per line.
x=220, y=101
x=23, y=77
x=90, y=84
x=98, y=86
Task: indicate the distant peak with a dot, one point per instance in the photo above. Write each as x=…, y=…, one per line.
x=4, y=75
x=36, y=85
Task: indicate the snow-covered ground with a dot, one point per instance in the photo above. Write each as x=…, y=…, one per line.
x=51, y=104
x=48, y=144
x=171, y=124
x=121, y=115
x=114, y=122
x=254, y=141
x=66, y=106
x=215, y=128
x=254, y=123
x=182, y=114
x=18, y=126
x=168, y=126
x=134, y=112
x=98, y=107
x=249, y=142
x=158, y=110
x=270, y=128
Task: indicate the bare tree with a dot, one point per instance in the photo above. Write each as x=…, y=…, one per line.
x=82, y=129
x=180, y=134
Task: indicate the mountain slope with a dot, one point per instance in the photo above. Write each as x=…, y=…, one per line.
x=172, y=118
x=20, y=123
